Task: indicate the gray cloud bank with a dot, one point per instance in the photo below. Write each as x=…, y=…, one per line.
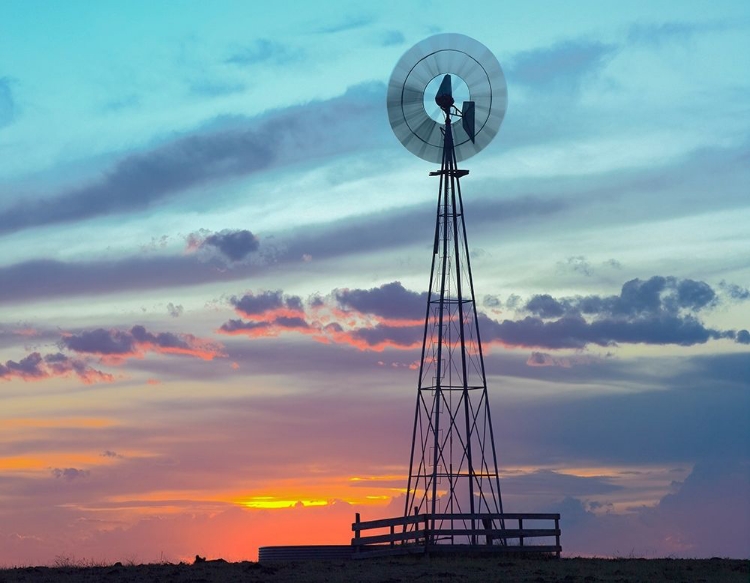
x=236, y=147
x=657, y=311
x=20, y=281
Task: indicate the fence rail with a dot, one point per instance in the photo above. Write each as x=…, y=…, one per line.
x=439, y=533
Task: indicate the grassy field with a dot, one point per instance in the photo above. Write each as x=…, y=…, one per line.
x=403, y=569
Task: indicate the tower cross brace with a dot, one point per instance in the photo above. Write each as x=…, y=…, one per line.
x=453, y=475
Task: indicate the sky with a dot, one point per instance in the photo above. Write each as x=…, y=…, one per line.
x=214, y=253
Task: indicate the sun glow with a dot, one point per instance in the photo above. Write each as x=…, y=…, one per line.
x=268, y=502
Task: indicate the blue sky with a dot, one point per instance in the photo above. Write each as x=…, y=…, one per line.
x=210, y=237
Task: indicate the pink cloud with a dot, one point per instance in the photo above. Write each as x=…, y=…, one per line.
x=332, y=320
x=36, y=367
x=113, y=345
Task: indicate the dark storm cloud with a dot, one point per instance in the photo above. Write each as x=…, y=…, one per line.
x=7, y=103
x=264, y=50
x=235, y=245
x=565, y=65
x=390, y=300
x=237, y=147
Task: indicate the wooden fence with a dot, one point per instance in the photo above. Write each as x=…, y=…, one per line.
x=444, y=533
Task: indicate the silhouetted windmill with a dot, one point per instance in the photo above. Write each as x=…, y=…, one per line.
x=453, y=493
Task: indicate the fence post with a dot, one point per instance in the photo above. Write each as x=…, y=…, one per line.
x=356, y=533
x=557, y=535
x=520, y=534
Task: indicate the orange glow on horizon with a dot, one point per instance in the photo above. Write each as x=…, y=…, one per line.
x=62, y=422
x=50, y=461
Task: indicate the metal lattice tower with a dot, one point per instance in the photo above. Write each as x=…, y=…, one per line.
x=453, y=466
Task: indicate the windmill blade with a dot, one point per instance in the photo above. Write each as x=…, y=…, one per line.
x=456, y=58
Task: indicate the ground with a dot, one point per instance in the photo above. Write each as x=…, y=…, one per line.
x=403, y=569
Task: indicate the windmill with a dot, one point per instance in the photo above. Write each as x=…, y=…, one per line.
x=446, y=100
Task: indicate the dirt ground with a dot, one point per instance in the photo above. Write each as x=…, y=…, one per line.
x=402, y=569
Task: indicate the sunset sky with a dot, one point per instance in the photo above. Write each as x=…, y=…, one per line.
x=214, y=253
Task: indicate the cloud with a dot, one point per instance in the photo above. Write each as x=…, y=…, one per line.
x=549, y=482
x=69, y=474
x=649, y=410
x=638, y=298
x=705, y=516
x=350, y=22
x=577, y=332
x=175, y=311
x=407, y=226
x=264, y=50
x=657, y=33
x=233, y=245
x=270, y=313
x=20, y=282
x=268, y=305
x=214, y=88
x=734, y=291
x=36, y=367
x=139, y=180
x=238, y=147
x=115, y=345
x=660, y=310
x=374, y=319
x=579, y=264
x=390, y=301
x=565, y=65
x=391, y=38
x=545, y=359
x=7, y=103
